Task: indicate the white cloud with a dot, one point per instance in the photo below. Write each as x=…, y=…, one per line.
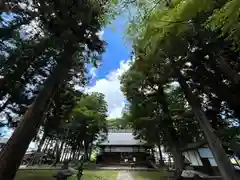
x=93, y=72
x=100, y=34
x=110, y=87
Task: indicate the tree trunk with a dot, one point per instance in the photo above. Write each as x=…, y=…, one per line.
x=17, y=145
x=74, y=154
x=171, y=135
x=45, y=145
x=56, y=147
x=90, y=151
x=86, y=146
x=68, y=153
x=79, y=152
x=41, y=143
x=178, y=161
x=64, y=152
x=48, y=145
x=58, y=154
x=223, y=162
x=71, y=154
x=161, y=161
x=228, y=71
x=221, y=89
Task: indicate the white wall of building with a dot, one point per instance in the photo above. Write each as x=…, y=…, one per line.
x=207, y=153
x=193, y=157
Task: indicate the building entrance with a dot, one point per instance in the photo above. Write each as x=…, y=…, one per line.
x=127, y=158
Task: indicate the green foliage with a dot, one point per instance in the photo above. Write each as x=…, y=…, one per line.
x=40, y=67
x=177, y=37
x=227, y=19
x=145, y=108
x=119, y=123
x=169, y=27
x=88, y=122
x=27, y=60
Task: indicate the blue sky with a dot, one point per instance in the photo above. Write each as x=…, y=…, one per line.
x=117, y=48
x=115, y=61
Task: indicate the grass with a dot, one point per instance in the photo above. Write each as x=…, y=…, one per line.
x=34, y=174
x=89, y=165
x=89, y=175
x=150, y=175
x=47, y=175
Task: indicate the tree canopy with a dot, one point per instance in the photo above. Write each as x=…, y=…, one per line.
x=182, y=87
x=45, y=49
x=185, y=75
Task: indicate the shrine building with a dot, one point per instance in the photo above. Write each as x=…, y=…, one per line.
x=121, y=148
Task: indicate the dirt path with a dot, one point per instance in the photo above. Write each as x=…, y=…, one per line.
x=124, y=175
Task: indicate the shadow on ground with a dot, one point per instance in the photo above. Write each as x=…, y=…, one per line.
x=47, y=175
x=150, y=175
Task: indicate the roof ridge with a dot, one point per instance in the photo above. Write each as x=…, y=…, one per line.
x=120, y=130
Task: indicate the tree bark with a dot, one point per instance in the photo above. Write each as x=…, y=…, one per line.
x=79, y=152
x=223, y=162
x=46, y=145
x=161, y=161
x=178, y=158
x=58, y=154
x=228, y=71
x=71, y=154
x=17, y=145
x=90, y=151
x=171, y=135
x=215, y=83
x=74, y=152
x=65, y=152
x=41, y=143
x=86, y=146
x=56, y=147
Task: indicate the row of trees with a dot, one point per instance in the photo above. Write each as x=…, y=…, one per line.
x=183, y=84
x=76, y=136
x=45, y=48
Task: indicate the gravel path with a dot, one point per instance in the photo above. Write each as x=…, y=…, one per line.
x=124, y=175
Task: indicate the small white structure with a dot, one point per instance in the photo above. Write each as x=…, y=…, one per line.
x=201, y=157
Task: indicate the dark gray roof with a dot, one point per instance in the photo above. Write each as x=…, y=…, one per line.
x=121, y=137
